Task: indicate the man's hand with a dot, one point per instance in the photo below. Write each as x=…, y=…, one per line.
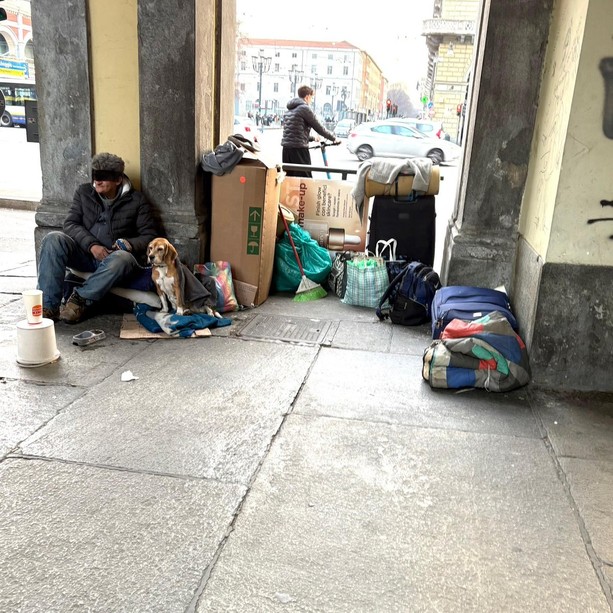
x=99, y=252
x=337, y=141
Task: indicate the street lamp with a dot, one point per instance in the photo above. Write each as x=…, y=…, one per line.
x=294, y=76
x=344, y=93
x=261, y=65
x=315, y=84
x=334, y=91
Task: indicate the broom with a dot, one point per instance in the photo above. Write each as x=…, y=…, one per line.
x=307, y=290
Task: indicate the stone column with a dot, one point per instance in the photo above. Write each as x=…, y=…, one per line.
x=183, y=105
x=481, y=240
x=64, y=107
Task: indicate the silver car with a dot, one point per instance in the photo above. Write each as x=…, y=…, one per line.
x=389, y=138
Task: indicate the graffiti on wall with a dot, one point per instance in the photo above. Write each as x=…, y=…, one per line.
x=606, y=70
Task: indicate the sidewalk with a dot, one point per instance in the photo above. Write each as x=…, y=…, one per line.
x=250, y=474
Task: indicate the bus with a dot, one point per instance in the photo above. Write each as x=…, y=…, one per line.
x=16, y=92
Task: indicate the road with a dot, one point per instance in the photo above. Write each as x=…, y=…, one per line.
x=21, y=179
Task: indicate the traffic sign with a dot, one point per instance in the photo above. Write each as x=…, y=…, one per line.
x=424, y=99
x=430, y=105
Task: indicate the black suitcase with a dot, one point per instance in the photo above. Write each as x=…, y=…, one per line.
x=411, y=222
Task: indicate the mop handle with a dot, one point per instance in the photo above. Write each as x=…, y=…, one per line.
x=291, y=240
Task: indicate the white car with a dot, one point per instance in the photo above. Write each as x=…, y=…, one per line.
x=246, y=127
x=425, y=126
x=343, y=127
x=389, y=138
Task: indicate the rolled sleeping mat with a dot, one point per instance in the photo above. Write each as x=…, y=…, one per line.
x=404, y=185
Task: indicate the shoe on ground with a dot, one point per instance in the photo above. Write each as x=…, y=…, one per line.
x=52, y=314
x=74, y=310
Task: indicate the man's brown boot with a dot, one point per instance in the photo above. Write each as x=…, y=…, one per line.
x=74, y=309
x=52, y=314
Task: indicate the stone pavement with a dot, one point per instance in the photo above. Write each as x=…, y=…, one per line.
x=243, y=474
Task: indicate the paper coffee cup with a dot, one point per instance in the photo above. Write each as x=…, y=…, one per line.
x=33, y=301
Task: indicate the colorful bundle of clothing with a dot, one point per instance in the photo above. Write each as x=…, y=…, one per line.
x=485, y=353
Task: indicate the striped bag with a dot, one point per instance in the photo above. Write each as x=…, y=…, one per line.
x=367, y=280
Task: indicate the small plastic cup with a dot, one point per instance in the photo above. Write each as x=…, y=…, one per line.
x=33, y=301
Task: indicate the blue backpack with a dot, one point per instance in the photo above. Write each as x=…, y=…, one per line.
x=409, y=295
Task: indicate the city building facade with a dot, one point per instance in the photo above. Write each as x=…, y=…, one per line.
x=450, y=36
x=346, y=80
x=16, y=47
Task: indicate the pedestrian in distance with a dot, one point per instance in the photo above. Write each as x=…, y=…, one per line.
x=298, y=121
x=106, y=233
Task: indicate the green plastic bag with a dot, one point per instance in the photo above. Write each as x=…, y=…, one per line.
x=314, y=258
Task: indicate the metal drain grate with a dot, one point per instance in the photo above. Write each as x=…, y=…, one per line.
x=291, y=329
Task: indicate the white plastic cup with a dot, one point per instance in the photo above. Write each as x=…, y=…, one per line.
x=33, y=301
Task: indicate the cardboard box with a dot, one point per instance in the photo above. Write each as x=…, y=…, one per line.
x=243, y=225
x=327, y=211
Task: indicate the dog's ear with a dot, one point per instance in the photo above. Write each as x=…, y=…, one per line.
x=171, y=252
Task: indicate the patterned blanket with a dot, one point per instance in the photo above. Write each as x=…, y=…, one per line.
x=485, y=353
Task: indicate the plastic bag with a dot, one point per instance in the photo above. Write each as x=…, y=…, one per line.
x=367, y=281
x=221, y=272
x=314, y=258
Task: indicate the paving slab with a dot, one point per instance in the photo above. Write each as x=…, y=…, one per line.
x=367, y=336
x=591, y=485
x=76, y=538
x=410, y=339
x=202, y=407
x=25, y=407
x=7, y=298
x=79, y=366
x=389, y=387
x=329, y=307
x=578, y=425
x=355, y=516
x=23, y=268
x=13, y=310
x=17, y=284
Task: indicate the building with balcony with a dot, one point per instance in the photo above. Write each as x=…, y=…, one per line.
x=450, y=36
x=346, y=80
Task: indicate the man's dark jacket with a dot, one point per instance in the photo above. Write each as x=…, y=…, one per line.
x=297, y=123
x=130, y=218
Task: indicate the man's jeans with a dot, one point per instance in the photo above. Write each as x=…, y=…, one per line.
x=59, y=251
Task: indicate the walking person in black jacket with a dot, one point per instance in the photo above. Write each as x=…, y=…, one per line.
x=108, y=227
x=297, y=123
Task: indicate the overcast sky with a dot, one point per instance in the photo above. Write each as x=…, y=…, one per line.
x=389, y=31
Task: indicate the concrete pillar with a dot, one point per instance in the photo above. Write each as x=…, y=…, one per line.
x=481, y=241
x=531, y=206
x=564, y=266
x=143, y=79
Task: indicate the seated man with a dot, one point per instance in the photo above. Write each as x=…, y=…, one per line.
x=108, y=227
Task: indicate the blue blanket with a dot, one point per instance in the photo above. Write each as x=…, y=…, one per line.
x=176, y=325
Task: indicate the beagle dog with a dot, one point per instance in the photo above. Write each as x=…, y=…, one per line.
x=162, y=255
x=168, y=279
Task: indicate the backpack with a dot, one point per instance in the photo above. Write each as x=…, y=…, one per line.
x=414, y=287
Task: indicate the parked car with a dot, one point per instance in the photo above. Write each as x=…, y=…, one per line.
x=343, y=127
x=391, y=138
x=246, y=127
x=425, y=126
